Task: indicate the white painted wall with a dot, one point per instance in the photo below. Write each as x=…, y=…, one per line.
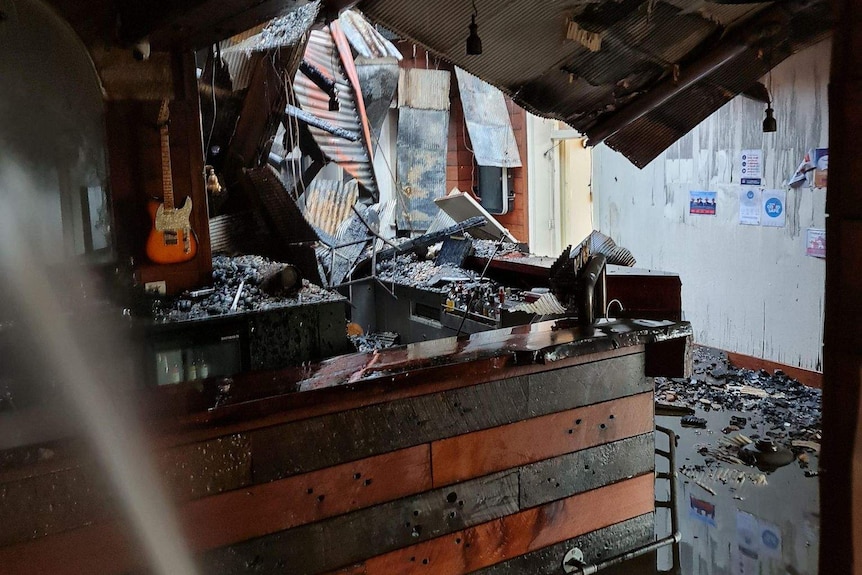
x=746, y=289
x=559, y=173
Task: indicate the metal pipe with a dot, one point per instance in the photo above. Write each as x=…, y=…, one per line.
x=592, y=290
x=675, y=535
x=765, y=25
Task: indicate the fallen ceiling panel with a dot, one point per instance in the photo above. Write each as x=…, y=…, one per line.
x=421, y=165
x=488, y=122
x=378, y=79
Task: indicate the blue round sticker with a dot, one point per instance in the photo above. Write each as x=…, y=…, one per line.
x=773, y=207
x=750, y=195
x=770, y=539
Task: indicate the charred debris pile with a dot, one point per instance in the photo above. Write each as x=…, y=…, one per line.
x=743, y=417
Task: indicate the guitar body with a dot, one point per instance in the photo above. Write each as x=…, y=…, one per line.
x=171, y=239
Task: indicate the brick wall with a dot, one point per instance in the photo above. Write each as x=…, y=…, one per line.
x=460, y=166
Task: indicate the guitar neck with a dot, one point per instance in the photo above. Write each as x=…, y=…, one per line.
x=167, y=180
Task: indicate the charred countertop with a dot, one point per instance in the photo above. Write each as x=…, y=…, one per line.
x=365, y=378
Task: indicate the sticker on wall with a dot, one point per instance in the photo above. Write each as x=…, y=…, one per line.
x=815, y=243
x=774, y=213
x=701, y=202
x=751, y=167
x=749, y=206
x=701, y=510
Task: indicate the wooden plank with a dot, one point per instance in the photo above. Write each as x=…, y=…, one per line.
x=596, y=545
x=808, y=377
x=329, y=440
x=105, y=548
x=311, y=444
x=349, y=538
x=331, y=398
x=280, y=505
x=457, y=458
x=386, y=527
x=200, y=469
x=229, y=518
x=503, y=539
x=581, y=471
x=561, y=389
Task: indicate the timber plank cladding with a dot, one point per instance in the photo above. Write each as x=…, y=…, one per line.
x=494, y=476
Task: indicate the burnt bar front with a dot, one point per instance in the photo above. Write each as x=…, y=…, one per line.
x=492, y=453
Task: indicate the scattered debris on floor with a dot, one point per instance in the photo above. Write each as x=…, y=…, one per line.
x=772, y=420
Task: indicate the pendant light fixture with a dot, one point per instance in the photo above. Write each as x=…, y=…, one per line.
x=474, y=43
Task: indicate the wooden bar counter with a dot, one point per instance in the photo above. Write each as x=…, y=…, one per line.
x=492, y=454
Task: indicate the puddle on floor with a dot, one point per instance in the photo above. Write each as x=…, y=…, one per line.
x=733, y=526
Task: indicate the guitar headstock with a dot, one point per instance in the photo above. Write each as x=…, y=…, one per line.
x=164, y=113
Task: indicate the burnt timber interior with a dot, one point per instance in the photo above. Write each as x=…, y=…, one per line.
x=255, y=429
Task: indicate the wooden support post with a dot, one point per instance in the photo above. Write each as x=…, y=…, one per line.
x=841, y=457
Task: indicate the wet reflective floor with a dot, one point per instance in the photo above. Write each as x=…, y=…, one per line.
x=731, y=522
x=736, y=518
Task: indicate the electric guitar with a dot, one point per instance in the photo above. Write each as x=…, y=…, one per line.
x=171, y=239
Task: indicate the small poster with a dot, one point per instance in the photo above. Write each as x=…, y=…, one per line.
x=751, y=167
x=774, y=213
x=749, y=206
x=815, y=243
x=702, y=203
x=701, y=510
x=820, y=160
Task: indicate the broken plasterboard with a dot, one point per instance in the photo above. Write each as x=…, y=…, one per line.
x=461, y=206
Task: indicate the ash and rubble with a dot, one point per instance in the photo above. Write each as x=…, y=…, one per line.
x=228, y=274
x=374, y=341
x=411, y=270
x=772, y=419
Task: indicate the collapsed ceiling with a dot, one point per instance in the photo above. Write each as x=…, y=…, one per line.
x=637, y=74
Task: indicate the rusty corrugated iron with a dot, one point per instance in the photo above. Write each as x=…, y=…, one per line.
x=527, y=55
x=353, y=157
x=328, y=203
x=488, y=122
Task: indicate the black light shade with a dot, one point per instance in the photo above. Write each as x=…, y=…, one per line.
x=474, y=43
x=769, y=123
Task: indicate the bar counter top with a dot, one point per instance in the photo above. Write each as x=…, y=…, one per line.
x=409, y=370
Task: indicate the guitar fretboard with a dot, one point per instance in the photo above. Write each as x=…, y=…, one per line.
x=167, y=182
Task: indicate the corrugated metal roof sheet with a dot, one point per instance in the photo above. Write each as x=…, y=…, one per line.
x=646, y=138
x=378, y=79
x=286, y=30
x=364, y=37
x=527, y=55
x=422, y=89
x=328, y=203
x=488, y=122
x=353, y=157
